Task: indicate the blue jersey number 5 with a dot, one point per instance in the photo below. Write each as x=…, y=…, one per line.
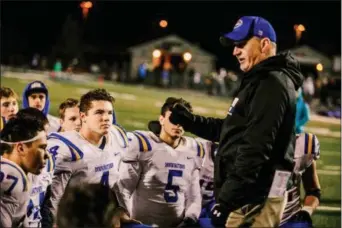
x=171, y=191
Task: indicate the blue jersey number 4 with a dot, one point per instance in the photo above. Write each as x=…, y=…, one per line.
x=171, y=190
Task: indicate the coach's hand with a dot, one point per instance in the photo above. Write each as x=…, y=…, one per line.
x=182, y=116
x=120, y=217
x=219, y=214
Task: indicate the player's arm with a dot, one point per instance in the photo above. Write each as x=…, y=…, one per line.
x=193, y=201
x=312, y=188
x=14, y=187
x=62, y=174
x=130, y=169
x=205, y=127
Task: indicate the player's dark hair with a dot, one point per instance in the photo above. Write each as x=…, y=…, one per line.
x=171, y=101
x=68, y=103
x=94, y=95
x=81, y=206
x=25, y=125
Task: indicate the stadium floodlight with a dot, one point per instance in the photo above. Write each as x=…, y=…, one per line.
x=163, y=23
x=156, y=53
x=319, y=67
x=187, y=56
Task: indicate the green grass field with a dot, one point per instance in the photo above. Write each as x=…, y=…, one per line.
x=135, y=106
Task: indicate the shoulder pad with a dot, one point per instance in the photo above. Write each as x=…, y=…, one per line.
x=143, y=141
x=196, y=146
x=307, y=144
x=75, y=152
x=120, y=134
x=13, y=179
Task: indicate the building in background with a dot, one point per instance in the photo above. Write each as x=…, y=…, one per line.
x=171, y=55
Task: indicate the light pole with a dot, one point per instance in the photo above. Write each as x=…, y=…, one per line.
x=163, y=23
x=299, y=29
x=86, y=6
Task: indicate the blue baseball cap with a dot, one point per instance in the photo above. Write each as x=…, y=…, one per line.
x=247, y=27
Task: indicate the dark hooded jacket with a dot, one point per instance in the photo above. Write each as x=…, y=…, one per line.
x=257, y=136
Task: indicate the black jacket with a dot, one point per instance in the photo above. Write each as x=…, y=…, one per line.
x=258, y=134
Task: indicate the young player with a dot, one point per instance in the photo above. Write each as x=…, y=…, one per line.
x=39, y=183
x=36, y=95
x=23, y=151
x=69, y=115
x=9, y=105
x=306, y=153
x=91, y=155
x=161, y=174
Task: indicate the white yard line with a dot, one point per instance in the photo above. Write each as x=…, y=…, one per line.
x=332, y=167
x=326, y=208
x=331, y=153
x=329, y=172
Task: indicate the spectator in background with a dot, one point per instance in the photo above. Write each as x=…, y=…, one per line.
x=221, y=81
x=142, y=72
x=309, y=89
x=302, y=112
x=57, y=68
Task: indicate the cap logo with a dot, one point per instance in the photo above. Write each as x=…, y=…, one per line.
x=36, y=85
x=260, y=32
x=238, y=24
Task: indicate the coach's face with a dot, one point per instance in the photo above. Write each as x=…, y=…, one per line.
x=174, y=131
x=249, y=52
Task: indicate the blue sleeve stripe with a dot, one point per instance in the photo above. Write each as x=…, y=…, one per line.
x=141, y=147
x=200, y=150
x=123, y=134
x=147, y=144
x=76, y=153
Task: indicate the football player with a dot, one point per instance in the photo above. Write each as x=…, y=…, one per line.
x=9, y=105
x=69, y=115
x=91, y=155
x=306, y=153
x=161, y=174
x=39, y=183
x=36, y=95
x=206, y=173
x=23, y=151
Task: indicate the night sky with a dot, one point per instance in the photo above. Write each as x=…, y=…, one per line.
x=36, y=26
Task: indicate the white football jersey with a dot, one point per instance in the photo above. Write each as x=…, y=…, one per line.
x=39, y=185
x=77, y=161
x=207, y=171
x=163, y=181
x=54, y=124
x=14, y=194
x=307, y=150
